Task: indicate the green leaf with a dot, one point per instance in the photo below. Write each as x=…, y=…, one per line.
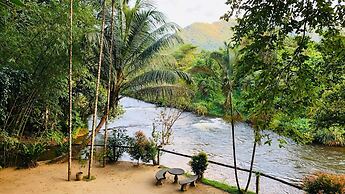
x=17, y=2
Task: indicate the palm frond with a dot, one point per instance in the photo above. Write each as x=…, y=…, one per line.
x=156, y=77
x=164, y=91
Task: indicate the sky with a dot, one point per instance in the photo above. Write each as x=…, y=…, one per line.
x=186, y=12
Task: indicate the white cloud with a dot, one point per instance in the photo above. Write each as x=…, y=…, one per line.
x=186, y=12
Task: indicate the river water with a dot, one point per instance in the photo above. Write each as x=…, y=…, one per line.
x=192, y=134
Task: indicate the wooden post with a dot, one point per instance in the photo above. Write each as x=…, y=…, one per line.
x=257, y=183
x=158, y=162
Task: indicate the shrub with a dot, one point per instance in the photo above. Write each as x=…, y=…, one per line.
x=119, y=138
x=142, y=148
x=333, y=136
x=8, y=149
x=200, y=109
x=199, y=164
x=151, y=152
x=29, y=154
x=324, y=183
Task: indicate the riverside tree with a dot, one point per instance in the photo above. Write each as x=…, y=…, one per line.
x=285, y=70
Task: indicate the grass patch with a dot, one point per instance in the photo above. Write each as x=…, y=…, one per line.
x=85, y=178
x=222, y=186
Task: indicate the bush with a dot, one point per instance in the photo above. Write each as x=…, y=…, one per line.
x=324, y=183
x=29, y=154
x=200, y=109
x=8, y=149
x=119, y=138
x=334, y=136
x=199, y=164
x=142, y=148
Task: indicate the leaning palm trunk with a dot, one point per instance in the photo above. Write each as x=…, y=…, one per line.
x=251, y=164
x=109, y=81
x=70, y=92
x=94, y=120
x=233, y=142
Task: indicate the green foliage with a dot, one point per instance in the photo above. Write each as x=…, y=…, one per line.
x=53, y=137
x=8, y=149
x=141, y=69
x=324, y=183
x=33, y=65
x=199, y=163
x=29, y=154
x=284, y=76
x=119, y=138
x=333, y=136
x=200, y=109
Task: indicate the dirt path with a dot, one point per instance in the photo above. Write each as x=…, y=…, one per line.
x=121, y=178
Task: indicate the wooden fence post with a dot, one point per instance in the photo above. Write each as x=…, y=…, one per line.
x=158, y=162
x=257, y=188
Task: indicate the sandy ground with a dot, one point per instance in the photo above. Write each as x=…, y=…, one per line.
x=121, y=178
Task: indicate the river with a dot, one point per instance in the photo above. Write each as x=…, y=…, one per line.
x=192, y=134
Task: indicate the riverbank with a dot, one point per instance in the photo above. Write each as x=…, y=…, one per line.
x=120, y=178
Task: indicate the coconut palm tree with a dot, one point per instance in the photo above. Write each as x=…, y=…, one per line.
x=226, y=59
x=140, y=69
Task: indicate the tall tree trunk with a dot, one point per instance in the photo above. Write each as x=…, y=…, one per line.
x=233, y=142
x=94, y=120
x=109, y=81
x=70, y=92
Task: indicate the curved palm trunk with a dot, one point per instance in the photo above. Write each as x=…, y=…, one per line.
x=251, y=165
x=94, y=120
x=70, y=92
x=109, y=81
x=233, y=142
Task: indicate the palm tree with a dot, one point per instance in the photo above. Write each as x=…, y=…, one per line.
x=139, y=67
x=94, y=120
x=70, y=91
x=226, y=59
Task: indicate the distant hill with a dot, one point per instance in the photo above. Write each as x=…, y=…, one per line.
x=208, y=36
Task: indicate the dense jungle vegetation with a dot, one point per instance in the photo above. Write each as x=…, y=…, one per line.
x=281, y=79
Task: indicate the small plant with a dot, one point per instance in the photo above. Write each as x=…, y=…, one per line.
x=82, y=159
x=119, y=138
x=165, y=121
x=324, y=183
x=199, y=164
x=151, y=152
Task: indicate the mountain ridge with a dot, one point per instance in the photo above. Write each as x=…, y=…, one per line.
x=208, y=36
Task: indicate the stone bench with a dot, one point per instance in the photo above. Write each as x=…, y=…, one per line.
x=160, y=176
x=191, y=180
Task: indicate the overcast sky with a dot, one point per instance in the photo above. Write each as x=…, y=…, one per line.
x=186, y=12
